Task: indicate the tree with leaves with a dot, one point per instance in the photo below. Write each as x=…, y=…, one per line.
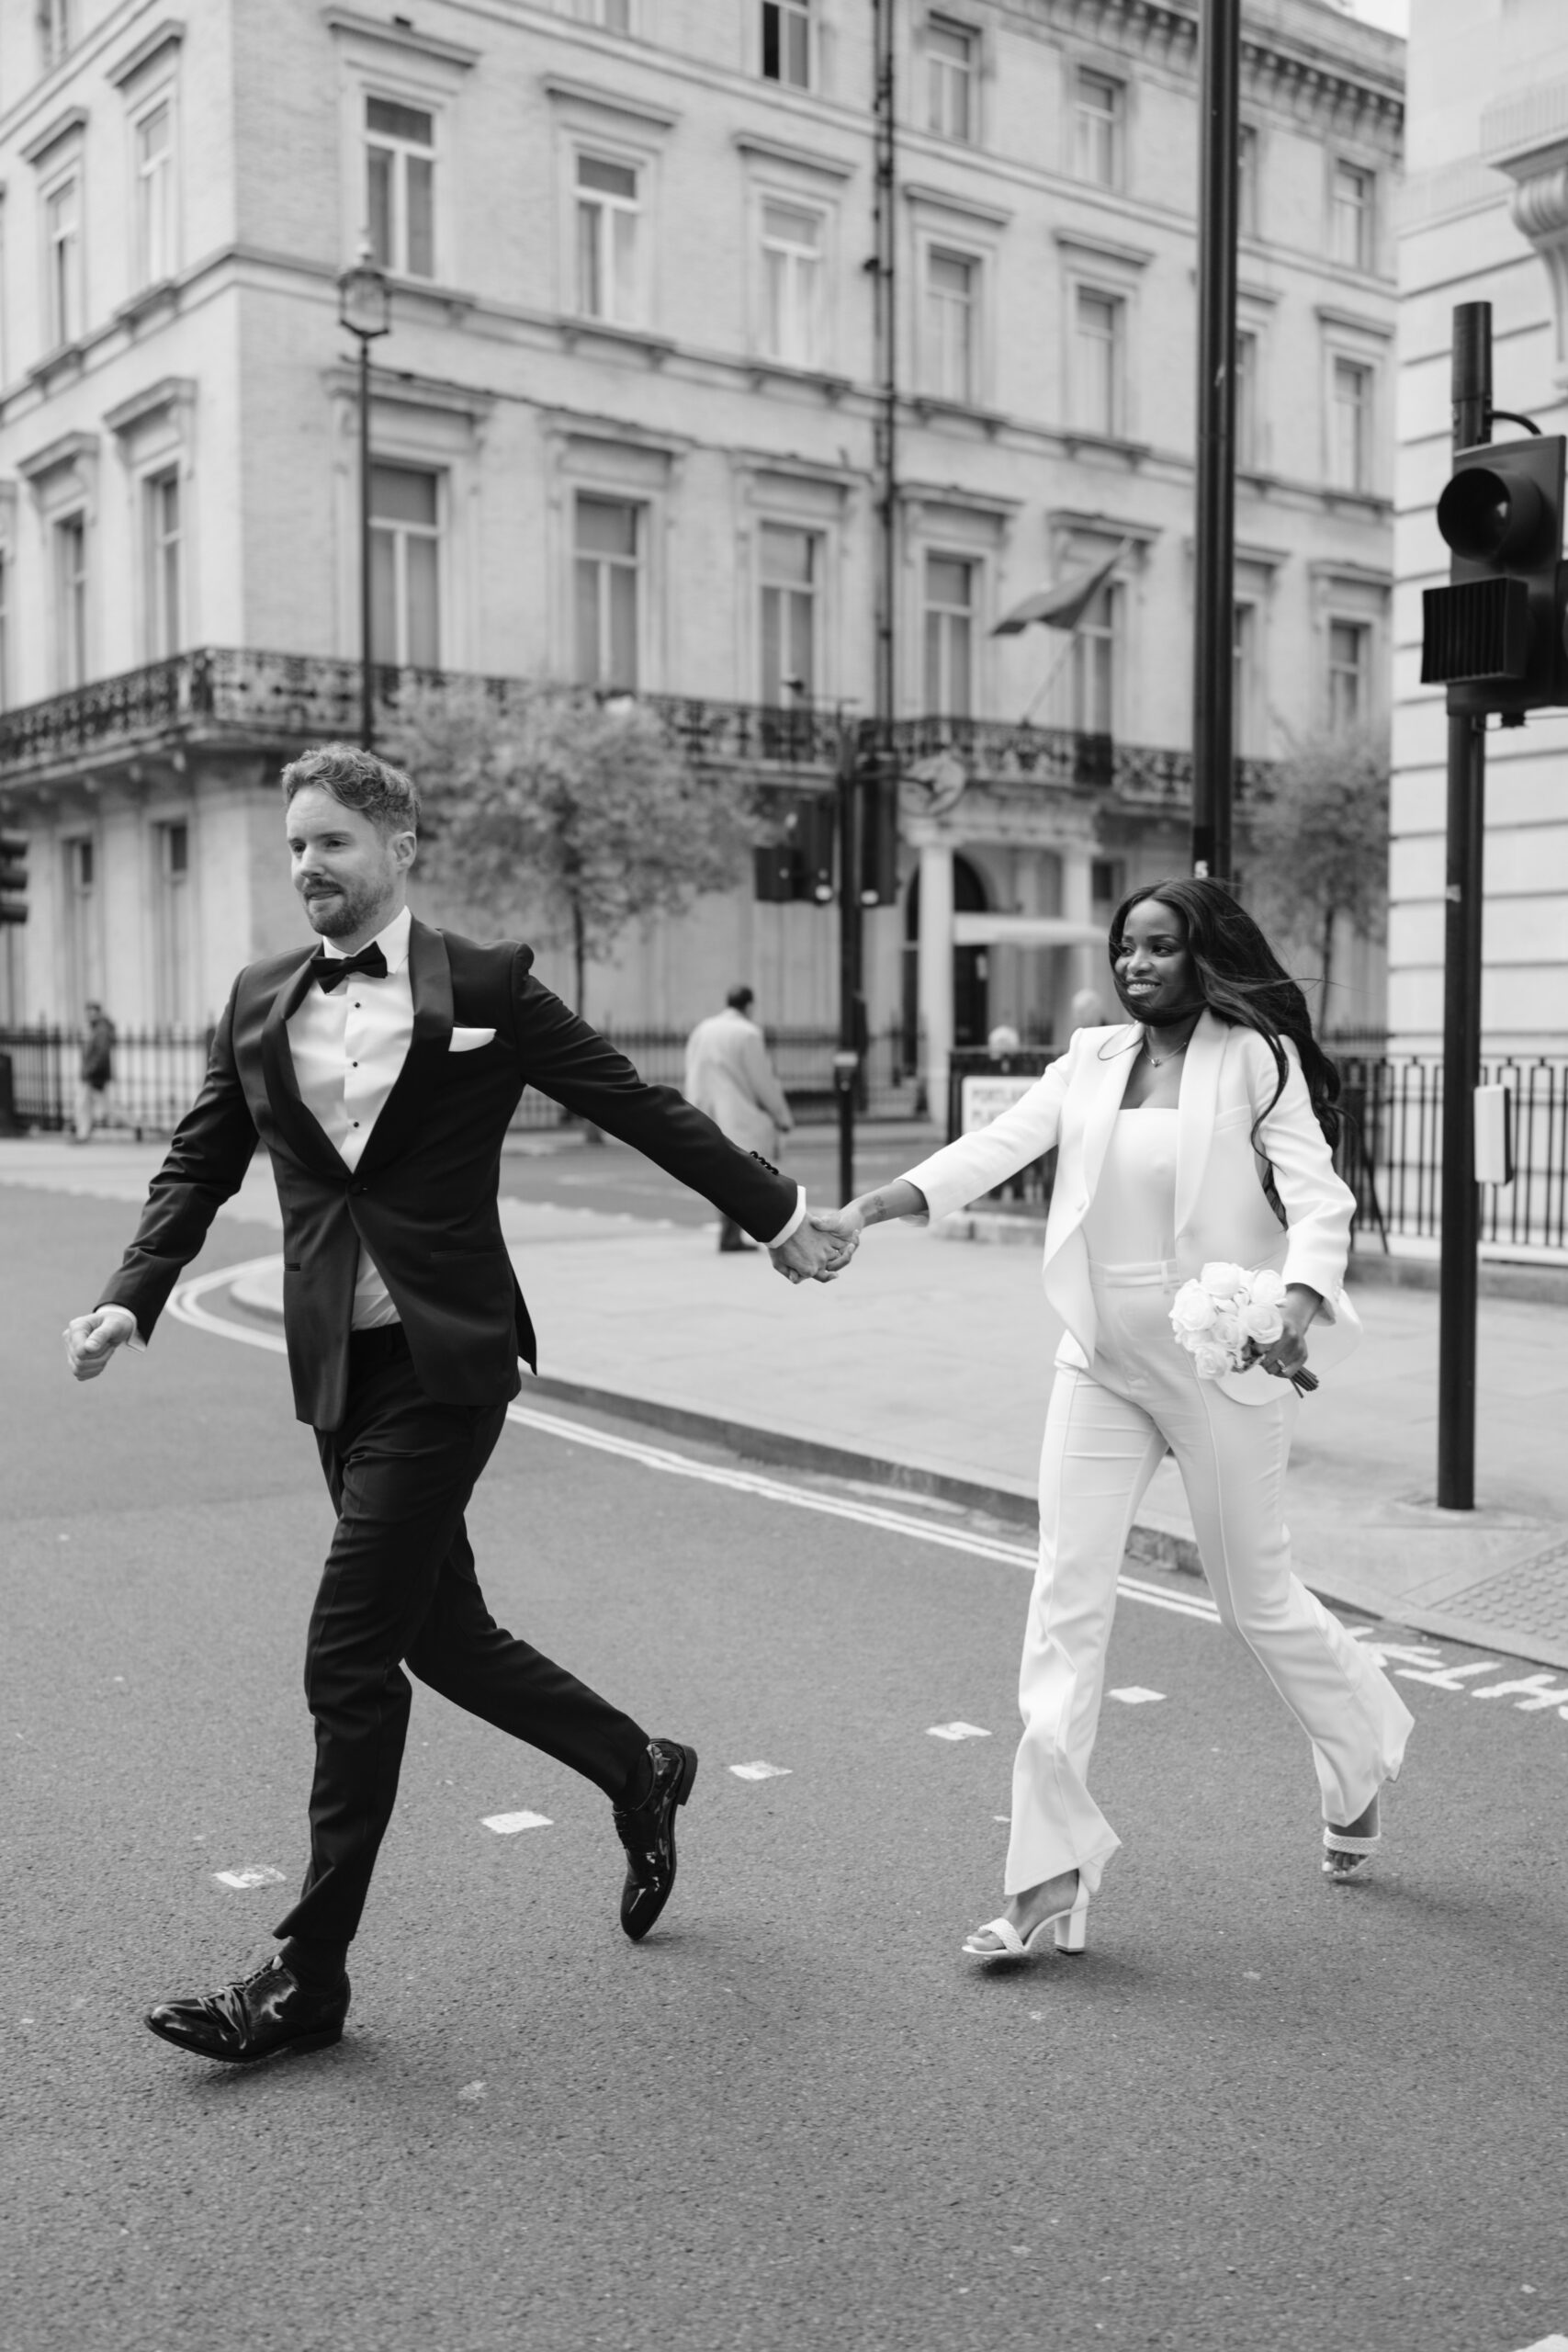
x=553, y=803
x=1319, y=846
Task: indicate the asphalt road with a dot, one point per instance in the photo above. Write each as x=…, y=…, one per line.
x=1261, y=2115
x=554, y=1166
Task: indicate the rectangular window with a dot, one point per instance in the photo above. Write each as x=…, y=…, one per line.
x=615, y=15
x=82, y=943
x=56, y=29
x=787, y=42
x=163, y=543
x=1247, y=205
x=1352, y=241
x=154, y=195
x=950, y=637
x=1098, y=334
x=399, y=191
x=952, y=292
x=950, y=66
x=70, y=600
x=1094, y=664
x=607, y=563
x=792, y=285
x=1349, y=657
x=62, y=260
x=1248, y=442
x=172, y=926
x=607, y=230
x=405, y=566
x=1098, y=122
x=791, y=565
x=1245, y=679
x=1350, y=426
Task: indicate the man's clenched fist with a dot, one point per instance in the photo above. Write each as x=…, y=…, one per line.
x=91, y=1339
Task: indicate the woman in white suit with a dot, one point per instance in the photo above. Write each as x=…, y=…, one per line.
x=1197, y=1132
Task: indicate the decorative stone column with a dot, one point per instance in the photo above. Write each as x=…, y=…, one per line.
x=935, y=972
x=1082, y=967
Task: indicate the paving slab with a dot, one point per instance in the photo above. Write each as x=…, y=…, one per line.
x=929, y=1365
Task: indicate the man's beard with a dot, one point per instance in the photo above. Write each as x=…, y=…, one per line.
x=335, y=918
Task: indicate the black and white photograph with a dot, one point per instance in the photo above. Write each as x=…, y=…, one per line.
x=925, y=647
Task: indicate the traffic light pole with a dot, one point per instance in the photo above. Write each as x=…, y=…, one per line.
x=1213, y=585
x=846, y=1061
x=1471, y=392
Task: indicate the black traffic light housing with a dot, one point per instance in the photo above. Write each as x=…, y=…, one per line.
x=799, y=865
x=13, y=878
x=1494, y=636
x=876, y=808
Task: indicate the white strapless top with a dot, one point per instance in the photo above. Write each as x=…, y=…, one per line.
x=1132, y=1218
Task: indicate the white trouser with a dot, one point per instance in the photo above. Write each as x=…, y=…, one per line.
x=1106, y=1433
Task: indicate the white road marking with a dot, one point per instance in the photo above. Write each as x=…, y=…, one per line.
x=761, y=1771
x=956, y=1731
x=507, y=1825
x=258, y=1875
x=1135, y=1695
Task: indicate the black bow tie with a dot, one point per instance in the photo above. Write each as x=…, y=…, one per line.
x=330, y=969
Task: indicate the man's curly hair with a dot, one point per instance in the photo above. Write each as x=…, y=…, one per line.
x=358, y=780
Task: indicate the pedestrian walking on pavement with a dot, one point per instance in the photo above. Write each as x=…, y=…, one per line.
x=97, y=1073
x=381, y=1072
x=728, y=1075
x=1198, y=1131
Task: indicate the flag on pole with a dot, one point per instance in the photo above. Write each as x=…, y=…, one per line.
x=1064, y=606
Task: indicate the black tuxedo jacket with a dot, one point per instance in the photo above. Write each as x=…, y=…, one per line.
x=423, y=1199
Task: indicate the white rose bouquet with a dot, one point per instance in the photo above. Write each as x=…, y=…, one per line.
x=1215, y=1317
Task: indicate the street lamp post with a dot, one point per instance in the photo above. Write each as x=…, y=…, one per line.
x=365, y=307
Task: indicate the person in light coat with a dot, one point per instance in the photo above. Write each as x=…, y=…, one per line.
x=1197, y=1132
x=729, y=1077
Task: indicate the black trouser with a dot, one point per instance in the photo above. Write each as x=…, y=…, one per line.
x=399, y=1588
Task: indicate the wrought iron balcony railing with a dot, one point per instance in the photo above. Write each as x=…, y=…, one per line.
x=218, y=694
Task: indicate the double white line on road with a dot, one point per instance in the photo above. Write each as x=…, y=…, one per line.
x=186, y=1304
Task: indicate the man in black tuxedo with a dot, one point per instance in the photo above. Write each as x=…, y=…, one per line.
x=381, y=1072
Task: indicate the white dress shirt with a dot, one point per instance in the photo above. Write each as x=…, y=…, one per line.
x=349, y=1044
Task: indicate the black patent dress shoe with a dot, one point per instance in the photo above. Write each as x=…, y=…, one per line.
x=648, y=1833
x=261, y=2016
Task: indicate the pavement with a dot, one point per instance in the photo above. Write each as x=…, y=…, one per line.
x=927, y=1369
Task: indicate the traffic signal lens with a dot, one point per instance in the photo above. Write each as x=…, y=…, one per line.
x=1487, y=519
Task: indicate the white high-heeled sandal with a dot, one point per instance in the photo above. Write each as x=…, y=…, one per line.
x=1070, y=1924
x=1345, y=1857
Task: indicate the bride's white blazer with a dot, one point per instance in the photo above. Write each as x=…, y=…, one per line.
x=1228, y=1077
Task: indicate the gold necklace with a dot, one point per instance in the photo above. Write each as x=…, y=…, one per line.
x=1160, y=1061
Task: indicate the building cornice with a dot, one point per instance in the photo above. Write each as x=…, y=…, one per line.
x=400, y=36
x=799, y=159
x=164, y=36
x=947, y=199
x=74, y=119
x=565, y=88
x=1305, y=79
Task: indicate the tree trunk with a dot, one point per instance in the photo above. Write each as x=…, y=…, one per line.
x=590, y=1133
x=1328, y=915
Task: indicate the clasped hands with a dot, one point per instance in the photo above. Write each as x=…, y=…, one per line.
x=820, y=1247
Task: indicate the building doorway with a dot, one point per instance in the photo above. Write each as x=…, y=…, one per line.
x=971, y=966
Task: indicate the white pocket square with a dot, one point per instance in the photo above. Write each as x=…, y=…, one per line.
x=467, y=1041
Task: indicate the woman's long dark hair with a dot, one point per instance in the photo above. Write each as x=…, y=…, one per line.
x=1244, y=982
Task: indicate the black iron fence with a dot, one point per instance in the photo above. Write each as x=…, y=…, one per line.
x=1392, y=1151
x=157, y=1073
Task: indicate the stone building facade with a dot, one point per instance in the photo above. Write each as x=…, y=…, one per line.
x=1485, y=218
x=624, y=432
